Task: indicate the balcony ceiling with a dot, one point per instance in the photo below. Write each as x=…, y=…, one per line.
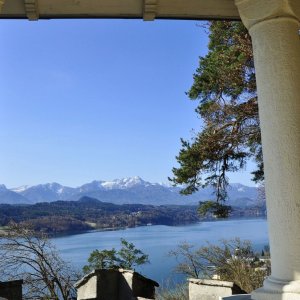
x=144, y=9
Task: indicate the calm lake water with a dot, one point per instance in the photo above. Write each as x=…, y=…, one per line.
x=157, y=241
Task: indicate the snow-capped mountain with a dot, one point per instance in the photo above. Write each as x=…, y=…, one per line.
x=46, y=192
x=92, y=186
x=238, y=191
x=11, y=197
x=120, y=184
x=125, y=183
x=20, y=189
x=126, y=190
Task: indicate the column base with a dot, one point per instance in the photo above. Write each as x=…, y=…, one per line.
x=275, y=289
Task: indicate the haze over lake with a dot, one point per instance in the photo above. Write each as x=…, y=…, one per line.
x=157, y=241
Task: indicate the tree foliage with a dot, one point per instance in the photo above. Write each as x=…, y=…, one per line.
x=105, y=259
x=225, y=86
x=75, y=216
x=230, y=260
x=30, y=256
x=214, y=208
x=128, y=257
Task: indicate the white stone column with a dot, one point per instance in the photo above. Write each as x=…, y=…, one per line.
x=274, y=28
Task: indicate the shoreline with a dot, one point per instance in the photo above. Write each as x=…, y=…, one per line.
x=179, y=225
x=3, y=230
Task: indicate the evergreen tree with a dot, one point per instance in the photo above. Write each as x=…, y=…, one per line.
x=130, y=256
x=225, y=86
x=105, y=259
x=127, y=257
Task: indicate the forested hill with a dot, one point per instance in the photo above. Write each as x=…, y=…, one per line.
x=89, y=213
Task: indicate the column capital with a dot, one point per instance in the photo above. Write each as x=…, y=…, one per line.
x=256, y=11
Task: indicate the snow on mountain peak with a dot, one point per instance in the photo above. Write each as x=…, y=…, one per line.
x=21, y=188
x=109, y=184
x=123, y=183
x=139, y=191
x=96, y=184
x=165, y=184
x=53, y=186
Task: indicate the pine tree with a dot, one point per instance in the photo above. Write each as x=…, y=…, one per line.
x=225, y=86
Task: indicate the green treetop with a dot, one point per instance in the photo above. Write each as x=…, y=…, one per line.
x=128, y=257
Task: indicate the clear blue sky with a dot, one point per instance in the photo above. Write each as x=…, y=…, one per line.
x=96, y=99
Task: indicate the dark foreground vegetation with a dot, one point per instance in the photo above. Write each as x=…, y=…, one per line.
x=88, y=213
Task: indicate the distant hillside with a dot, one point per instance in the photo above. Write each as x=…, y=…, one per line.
x=132, y=190
x=89, y=213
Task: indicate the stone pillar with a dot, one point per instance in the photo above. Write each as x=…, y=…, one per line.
x=274, y=28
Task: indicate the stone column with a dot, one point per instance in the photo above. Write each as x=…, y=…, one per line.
x=274, y=28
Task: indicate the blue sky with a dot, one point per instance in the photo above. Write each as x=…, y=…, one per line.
x=96, y=99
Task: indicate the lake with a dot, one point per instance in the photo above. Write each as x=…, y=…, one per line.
x=157, y=241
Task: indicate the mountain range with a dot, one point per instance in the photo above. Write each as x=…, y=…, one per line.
x=129, y=190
